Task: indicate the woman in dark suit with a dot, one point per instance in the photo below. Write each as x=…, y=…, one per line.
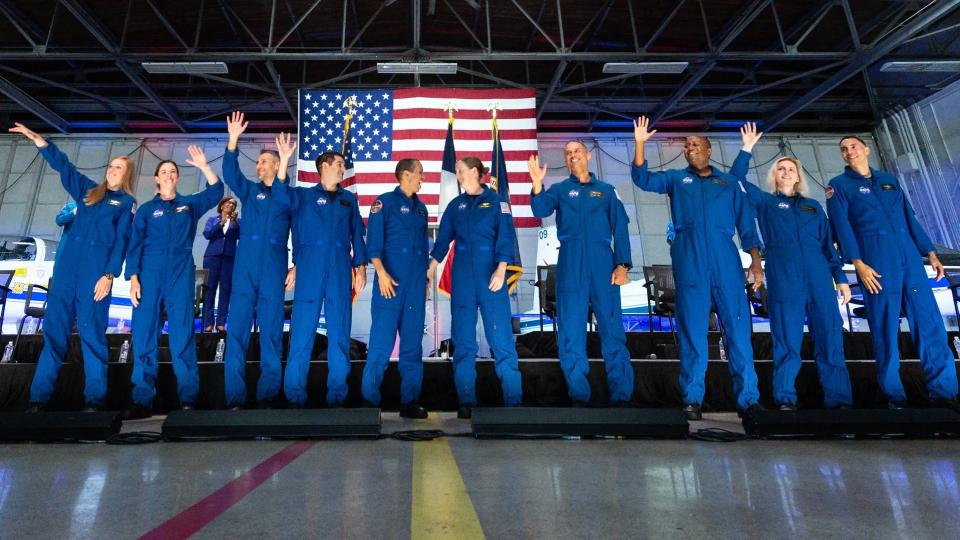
x=223, y=232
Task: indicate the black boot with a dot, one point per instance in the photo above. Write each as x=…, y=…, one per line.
x=137, y=412
x=693, y=412
x=412, y=410
x=465, y=412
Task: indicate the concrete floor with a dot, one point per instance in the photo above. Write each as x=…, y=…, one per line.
x=459, y=487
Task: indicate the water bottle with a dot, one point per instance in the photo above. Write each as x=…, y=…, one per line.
x=31, y=326
x=723, y=351
x=220, y=348
x=7, y=353
x=956, y=345
x=124, y=352
x=120, y=325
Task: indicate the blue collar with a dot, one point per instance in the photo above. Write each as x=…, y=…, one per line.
x=576, y=180
x=857, y=176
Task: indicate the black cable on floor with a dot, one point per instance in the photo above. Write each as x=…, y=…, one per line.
x=717, y=435
x=135, y=437
x=416, y=435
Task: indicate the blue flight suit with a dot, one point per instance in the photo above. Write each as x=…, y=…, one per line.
x=589, y=216
x=801, y=268
x=397, y=235
x=65, y=219
x=706, y=267
x=161, y=255
x=259, y=272
x=97, y=245
x=482, y=226
x=327, y=244
x=873, y=221
x=218, y=258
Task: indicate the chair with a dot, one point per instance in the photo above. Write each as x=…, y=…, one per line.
x=758, y=300
x=6, y=276
x=953, y=282
x=547, y=287
x=662, y=291
x=34, y=311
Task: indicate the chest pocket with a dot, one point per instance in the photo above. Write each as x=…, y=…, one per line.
x=810, y=220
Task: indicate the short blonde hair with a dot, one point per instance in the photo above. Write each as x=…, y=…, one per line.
x=801, y=186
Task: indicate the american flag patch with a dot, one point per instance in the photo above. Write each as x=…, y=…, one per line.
x=504, y=207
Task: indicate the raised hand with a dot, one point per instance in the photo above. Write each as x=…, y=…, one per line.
x=28, y=133
x=235, y=127
x=749, y=136
x=197, y=158
x=286, y=147
x=641, y=133
x=537, y=173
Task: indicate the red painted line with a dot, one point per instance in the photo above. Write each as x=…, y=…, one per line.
x=198, y=516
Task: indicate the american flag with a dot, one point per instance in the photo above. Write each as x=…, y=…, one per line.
x=389, y=125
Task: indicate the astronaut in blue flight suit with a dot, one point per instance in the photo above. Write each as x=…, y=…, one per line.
x=878, y=232
x=707, y=206
x=589, y=217
x=802, y=266
x=327, y=242
x=161, y=271
x=481, y=224
x=397, y=246
x=259, y=272
x=83, y=274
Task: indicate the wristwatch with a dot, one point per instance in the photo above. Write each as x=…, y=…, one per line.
x=108, y=275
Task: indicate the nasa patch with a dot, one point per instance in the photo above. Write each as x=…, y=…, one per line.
x=404, y=209
x=322, y=201
x=687, y=180
x=462, y=206
x=261, y=196
x=864, y=190
x=783, y=205
x=157, y=213
x=376, y=206
x=573, y=194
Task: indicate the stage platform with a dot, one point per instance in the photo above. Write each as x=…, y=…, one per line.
x=543, y=382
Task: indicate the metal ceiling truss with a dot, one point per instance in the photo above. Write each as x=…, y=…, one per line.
x=272, y=51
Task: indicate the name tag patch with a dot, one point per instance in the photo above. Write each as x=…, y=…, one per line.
x=888, y=187
x=486, y=204
x=422, y=211
x=113, y=202
x=810, y=209
x=344, y=202
x=719, y=181
x=596, y=194
x=181, y=209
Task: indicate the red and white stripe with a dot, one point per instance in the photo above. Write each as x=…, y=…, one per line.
x=419, y=131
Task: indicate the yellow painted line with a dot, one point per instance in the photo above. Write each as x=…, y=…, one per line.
x=441, y=505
